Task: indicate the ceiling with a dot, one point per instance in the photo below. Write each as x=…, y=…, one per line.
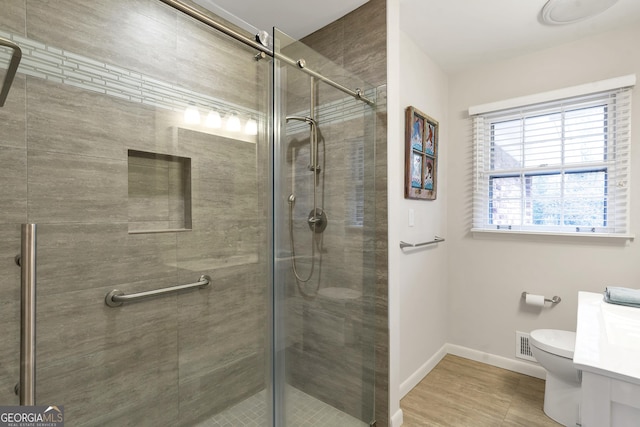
x=454, y=33
x=459, y=33
x=297, y=18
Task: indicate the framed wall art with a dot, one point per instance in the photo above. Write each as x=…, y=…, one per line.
x=421, y=155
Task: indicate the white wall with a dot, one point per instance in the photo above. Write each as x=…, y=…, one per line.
x=422, y=274
x=467, y=291
x=488, y=274
x=394, y=127
x=417, y=278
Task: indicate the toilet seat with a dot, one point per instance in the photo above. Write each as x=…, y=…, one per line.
x=554, y=341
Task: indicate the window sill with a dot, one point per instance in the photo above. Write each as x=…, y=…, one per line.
x=544, y=234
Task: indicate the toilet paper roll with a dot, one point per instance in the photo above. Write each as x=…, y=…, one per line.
x=534, y=300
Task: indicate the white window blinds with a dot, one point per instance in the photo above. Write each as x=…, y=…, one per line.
x=554, y=167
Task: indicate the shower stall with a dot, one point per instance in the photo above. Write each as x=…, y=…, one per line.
x=191, y=207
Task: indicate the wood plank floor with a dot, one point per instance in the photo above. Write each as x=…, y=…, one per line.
x=460, y=392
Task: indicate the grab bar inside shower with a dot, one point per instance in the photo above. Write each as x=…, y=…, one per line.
x=11, y=70
x=116, y=297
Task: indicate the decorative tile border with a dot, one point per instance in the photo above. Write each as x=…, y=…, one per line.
x=61, y=66
x=341, y=110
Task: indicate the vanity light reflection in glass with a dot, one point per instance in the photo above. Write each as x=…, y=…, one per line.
x=251, y=127
x=233, y=123
x=192, y=115
x=213, y=120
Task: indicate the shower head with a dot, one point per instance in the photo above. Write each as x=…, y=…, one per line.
x=303, y=119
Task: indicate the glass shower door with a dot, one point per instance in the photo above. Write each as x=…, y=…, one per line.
x=135, y=139
x=324, y=205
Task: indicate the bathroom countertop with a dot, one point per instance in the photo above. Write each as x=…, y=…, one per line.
x=607, y=338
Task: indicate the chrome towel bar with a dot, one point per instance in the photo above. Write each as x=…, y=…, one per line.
x=116, y=297
x=11, y=71
x=436, y=239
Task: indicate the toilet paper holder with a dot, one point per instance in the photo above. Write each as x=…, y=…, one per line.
x=555, y=300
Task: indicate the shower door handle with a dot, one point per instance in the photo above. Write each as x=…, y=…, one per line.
x=11, y=71
x=27, y=387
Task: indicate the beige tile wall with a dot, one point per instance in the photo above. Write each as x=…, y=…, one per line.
x=13, y=173
x=357, y=42
x=63, y=164
x=322, y=363
x=65, y=152
x=331, y=340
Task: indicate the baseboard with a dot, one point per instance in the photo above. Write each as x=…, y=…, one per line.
x=525, y=368
x=397, y=419
x=422, y=372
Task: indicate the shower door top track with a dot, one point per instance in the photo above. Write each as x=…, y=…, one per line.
x=194, y=13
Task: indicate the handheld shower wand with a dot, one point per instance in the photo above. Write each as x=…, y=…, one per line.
x=317, y=219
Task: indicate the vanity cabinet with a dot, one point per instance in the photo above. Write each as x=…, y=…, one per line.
x=608, y=354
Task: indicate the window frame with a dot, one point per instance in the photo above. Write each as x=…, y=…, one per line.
x=485, y=175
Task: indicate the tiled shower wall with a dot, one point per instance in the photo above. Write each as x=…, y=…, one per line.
x=64, y=165
x=337, y=334
x=358, y=43
x=330, y=318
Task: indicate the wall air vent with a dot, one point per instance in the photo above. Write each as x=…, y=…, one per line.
x=523, y=350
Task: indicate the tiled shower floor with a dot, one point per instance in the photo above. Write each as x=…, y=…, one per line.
x=302, y=410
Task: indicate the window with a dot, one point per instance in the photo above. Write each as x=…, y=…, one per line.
x=355, y=200
x=554, y=167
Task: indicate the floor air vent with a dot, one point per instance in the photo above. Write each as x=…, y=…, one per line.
x=523, y=350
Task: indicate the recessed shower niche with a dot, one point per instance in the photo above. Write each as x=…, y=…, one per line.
x=159, y=192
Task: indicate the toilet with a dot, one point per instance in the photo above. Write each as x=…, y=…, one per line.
x=553, y=349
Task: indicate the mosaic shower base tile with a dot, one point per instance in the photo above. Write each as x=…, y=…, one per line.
x=302, y=411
